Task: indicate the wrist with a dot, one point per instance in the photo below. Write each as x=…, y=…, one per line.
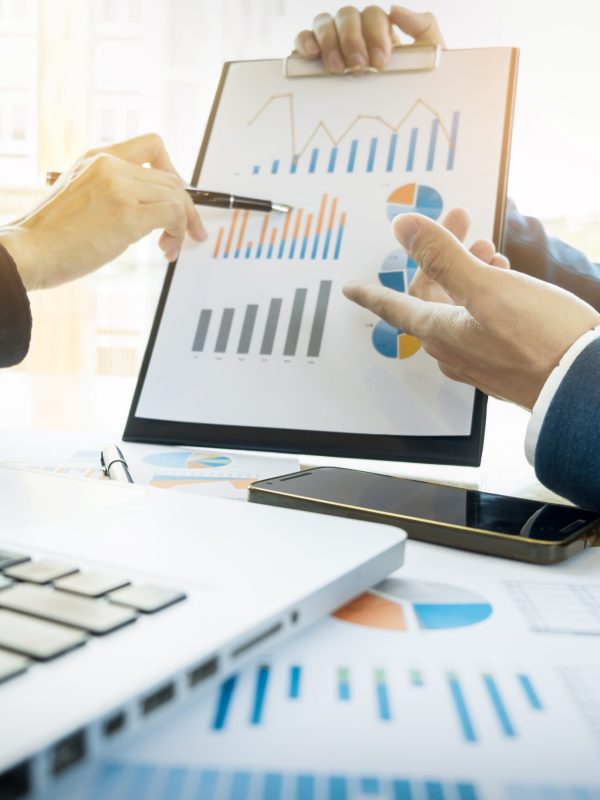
x=16, y=241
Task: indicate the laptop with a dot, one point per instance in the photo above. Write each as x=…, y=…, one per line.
x=120, y=603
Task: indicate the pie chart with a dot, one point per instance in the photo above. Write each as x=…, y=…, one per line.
x=393, y=342
x=402, y=605
x=415, y=198
x=397, y=271
x=187, y=459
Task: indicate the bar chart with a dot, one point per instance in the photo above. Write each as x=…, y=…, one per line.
x=400, y=146
x=255, y=328
x=300, y=234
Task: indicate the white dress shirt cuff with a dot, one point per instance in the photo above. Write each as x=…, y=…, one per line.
x=550, y=388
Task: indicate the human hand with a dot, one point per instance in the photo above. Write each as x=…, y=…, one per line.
x=104, y=203
x=505, y=332
x=457, y=222
x=354, y=39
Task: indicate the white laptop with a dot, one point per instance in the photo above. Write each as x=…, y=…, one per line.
x=118, y=603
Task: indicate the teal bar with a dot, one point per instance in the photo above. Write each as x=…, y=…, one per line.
x=461, y=709
x=434, y=790
x=313, y=160
x=530, y=692
x=262, y=680
x=338, y=788
x=305, y=787
x=174, y=785
x=392, y=152
x=224, y=703
x=275, y=167
x=402, y=790
x=372, y=152
x=208, y=783
x=466, y=791
x=499, y=707
x=352, y=158
x=255, y=169
x=272, y=786
x=332, y=159
x=369, y=786
x=295, y=678
x=240, y=784
x=410, y=162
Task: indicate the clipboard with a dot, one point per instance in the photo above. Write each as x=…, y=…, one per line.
x=253, y=346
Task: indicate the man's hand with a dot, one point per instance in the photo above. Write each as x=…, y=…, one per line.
x=104, y=203
x=503, y=331
x=354, y=39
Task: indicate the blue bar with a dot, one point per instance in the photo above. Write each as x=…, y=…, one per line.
x=270, y=250
x=295, y=677
x=466, y=791
x=273, y=785
x=223, y=703
x=174, y=784
x=352, y=158
x=410, y=162
x=240, y=783
x=248, y=250
x=402, y=790
x=313, y=160
x=369, y=786
x=237, y=254
x=327, y=241
x=372, y=151
x=143, y=778
x=338, y=789
x=255, y=169
x=338, y=243
x=304, y=246
x=461, y=709
x=432, y=141
x=499, y=707
x=392, y=152
x=294, y=165
x=108, y=780
x=332, y=159
x=383, y=701
x=262, y=679
x=453, y=136
x=208, y=784
x=315, y=245
x=305, y=787
x=531, y=693
x=434, y=790
x=275, y=167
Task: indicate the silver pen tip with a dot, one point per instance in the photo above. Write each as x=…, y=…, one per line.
x=281, y=207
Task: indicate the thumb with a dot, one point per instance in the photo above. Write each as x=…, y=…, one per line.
x=441, y=257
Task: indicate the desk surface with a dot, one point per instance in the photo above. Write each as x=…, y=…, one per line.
x=31, y=401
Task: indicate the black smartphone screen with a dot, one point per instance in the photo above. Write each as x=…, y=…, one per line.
x=526, y=519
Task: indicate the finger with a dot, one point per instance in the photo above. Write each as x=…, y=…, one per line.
x=378, y=35
x=500, y=261
x=457, y=221
x=169, y=215
x=327, y=39
x=441, y=256
x=484, y=250
x=349, y=31
x=148, y=148
x=306, y=45
x=422, y=27
x=400, y=310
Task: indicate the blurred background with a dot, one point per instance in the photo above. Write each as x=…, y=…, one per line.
x=81, y=73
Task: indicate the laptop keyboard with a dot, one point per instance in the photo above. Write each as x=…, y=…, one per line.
x=48, y=608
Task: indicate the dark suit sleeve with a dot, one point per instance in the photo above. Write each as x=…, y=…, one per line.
x=531, y=250
x=567, y=455
x=15, y=313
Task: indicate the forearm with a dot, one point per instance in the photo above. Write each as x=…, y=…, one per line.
x=15, y=314
x=532, y=251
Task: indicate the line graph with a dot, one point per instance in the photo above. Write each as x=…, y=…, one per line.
x=373, y=154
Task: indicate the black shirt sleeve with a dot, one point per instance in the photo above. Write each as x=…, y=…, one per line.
x=15, y=313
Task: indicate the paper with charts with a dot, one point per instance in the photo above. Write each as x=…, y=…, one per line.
x=459, y=678
x=256, y=331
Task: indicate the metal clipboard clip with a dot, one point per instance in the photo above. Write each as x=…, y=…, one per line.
x=404, y=58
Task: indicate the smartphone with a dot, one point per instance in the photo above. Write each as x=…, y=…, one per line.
x=526, y=530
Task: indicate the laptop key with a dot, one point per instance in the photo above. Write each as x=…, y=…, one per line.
x=8, y=558
x=37, y=638
x=5, y=582
x=42, y=571
x=11, y=665
x=91, y=584
x=146, y=597
x=94, y=616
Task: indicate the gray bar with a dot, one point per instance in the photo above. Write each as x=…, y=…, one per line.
x=291, y=341
x=247, y=329
x=318, y=326
x=224, y=330
x=202, y=330
x=271, y=327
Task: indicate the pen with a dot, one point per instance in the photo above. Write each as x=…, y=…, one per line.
x=202, y=197
x=114, y=465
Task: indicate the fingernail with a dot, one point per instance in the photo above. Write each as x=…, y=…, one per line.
x=378, y=57
x=357, y=60
x=312, y=48
x=335, y=62
x=406, y=229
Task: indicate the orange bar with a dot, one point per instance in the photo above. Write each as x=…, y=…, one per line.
x=308, y=224
x=286, y=225
x=332, y=215
x=343, y=219
x=297, y=225
x=274, y=233
x=321, y=214
x=218, y=242
x=263, y=230
x=242, y=231
x=231, y=230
